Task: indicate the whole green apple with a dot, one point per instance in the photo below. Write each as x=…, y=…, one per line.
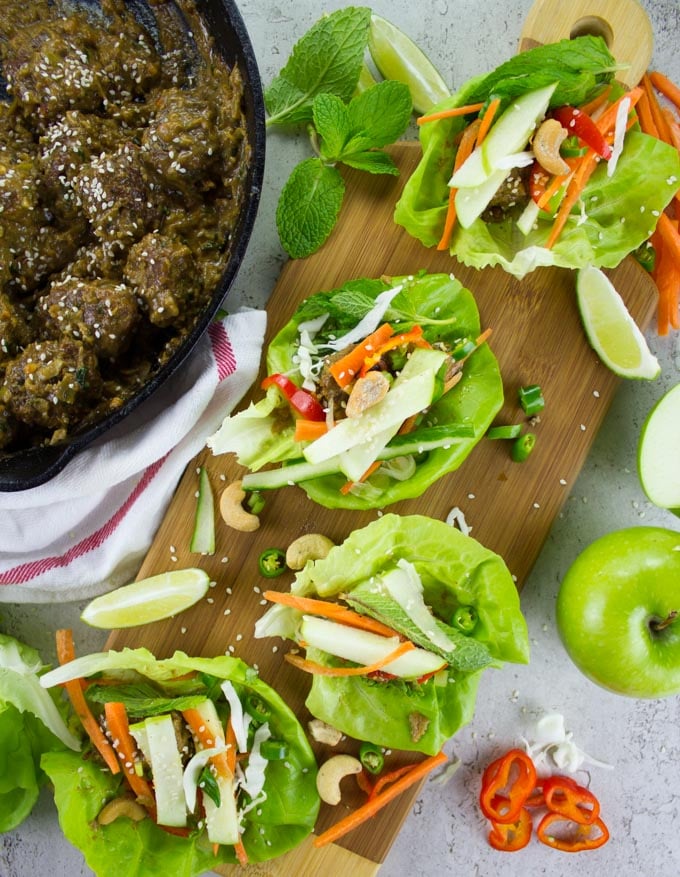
x=618, y=611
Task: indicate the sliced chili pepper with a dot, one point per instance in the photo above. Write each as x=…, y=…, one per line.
x=371, y=757
x=272, y=562
x=511, y=836
x=465, y=619
x=302, y=402
x=364, y=782
x=565, y=796
x=578, y=836
x=509, y=431
x=531, y=399
x=646, y=256
x=511, y=778
x=536, y=798
x=522, y=447
x=413, y=336
x=577, y=122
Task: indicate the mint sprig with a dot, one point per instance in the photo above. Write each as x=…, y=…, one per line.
x=316, y=87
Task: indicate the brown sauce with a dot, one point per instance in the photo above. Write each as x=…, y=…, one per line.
x=123, y=157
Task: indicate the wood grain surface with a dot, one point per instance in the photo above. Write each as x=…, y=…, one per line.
x=537, y=337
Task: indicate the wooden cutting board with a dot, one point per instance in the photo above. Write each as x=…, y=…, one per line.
x=537, y=337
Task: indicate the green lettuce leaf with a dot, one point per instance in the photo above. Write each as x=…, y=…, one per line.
x=447, y=312
x=30, y=724
x=126, y=849
x=614, y=215
x=455, y=570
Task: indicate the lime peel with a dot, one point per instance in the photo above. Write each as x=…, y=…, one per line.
x=612, y=332
x=147, y=600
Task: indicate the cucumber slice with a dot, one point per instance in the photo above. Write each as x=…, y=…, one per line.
x=167, y=772
x=203, y=537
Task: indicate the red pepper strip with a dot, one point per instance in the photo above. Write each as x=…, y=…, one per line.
x=413, y=336
x=536, y=798
x=511, y=836
x=511, y=778
x=581, y=838
x=565, y=796
x=579, y=123
x=302, y=402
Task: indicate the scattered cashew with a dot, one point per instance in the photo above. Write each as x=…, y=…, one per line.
x=324, y=733
x=546, y=145
x=233, y=513
x=366, y=392
x=309, y=546
x=118, y=807
x=331, y=773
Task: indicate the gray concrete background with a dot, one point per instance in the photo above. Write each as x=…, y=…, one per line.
x=445, y=833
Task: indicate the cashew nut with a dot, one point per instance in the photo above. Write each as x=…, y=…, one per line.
x=118, y=807
x=546, y=144
x=366, y=392
x=331, y=773
x=324, y=733
x=309, y=546
x=233, y=513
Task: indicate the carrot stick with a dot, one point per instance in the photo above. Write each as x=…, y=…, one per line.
x=231, y=746
x=556, y=183
x=655, y=107
x=608, y=119
x=449, y=114
x=371, y=807
x=467, y=144
x=347, y=486
x=323, y=670
x=309, y=430
x=487, y=120
x=597, y=102
x=345, y=369
x=647, y=122
x=126, y=749
x=666, y=86
x=670, y=236
x=334, y=611
x=199, y=729
x=387, y=779
x=65, y=654
x=673, y=126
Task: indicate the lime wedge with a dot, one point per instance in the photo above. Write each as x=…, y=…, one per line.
x=658, y=457
x=147, y=600
x=611, y=331
x=397, y=57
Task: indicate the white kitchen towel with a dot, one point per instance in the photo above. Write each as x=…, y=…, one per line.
x=87, y=530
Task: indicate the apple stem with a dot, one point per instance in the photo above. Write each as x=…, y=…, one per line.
x=660, y=624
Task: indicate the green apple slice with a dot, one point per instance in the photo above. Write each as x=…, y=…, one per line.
x=658, y=457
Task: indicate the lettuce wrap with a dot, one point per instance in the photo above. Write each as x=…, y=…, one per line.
x=446, y=315
x=30, y=724
x=272, y=820
x=616, y=211
x=470, y=598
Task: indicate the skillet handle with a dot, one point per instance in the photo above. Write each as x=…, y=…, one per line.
x=623, y=24
x=34, y=467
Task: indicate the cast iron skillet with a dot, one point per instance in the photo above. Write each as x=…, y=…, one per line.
x=34, y=466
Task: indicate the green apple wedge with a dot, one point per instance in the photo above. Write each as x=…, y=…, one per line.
x=618, y=612
x=658, y=452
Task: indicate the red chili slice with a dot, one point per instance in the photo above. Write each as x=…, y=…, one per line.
x=576, y=837
x=577, y=122
x=300, y=400
x=506, y=785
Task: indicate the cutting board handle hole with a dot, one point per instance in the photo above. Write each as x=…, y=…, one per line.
x=592, y=25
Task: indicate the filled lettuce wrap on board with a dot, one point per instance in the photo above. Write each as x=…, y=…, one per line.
x=398, y=624
x=373, y=391
x=563, y=175
x=211, y=766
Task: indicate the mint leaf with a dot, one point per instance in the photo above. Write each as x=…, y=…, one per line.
x=327, y=58
x=345, y=305
x=308, y=207
x=331, y=120
x=375, y=162
x=379, y=115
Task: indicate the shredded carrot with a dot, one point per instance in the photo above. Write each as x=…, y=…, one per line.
x=597, y=102
x=608, y=119
x=199, y=729
x=647, y=122
x=230, y=740
x=348, y=485
x=364, y=782
x=387, y=779
x=334, y=611
x=371, y=807
x=673, y=126
x=413, y=336
x=465, y=148
x=74, y=689
x=666, y=86
x=364, y=670
x=309, y=430
x=487, y=120
x=126, y=748
x=555, y=185
x=449, y=114
x=670, y=236
x=345, y=369
x=655, y=108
